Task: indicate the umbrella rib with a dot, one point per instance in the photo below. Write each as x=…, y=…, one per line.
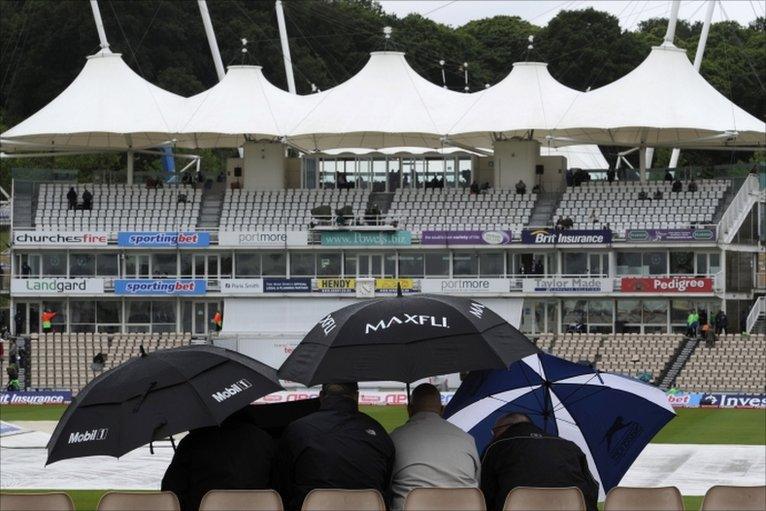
x=531, y=411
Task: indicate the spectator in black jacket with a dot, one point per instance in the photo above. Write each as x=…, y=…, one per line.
x=668, y=176
x=234, y=456
x=71, y=197
x=521, y=454
x=677, y=186
x=721, y=323
x=336, y=447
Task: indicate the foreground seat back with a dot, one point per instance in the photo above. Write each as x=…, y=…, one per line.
x=343, y=500
x=544, y=499
x=53, y=501
x=445, y=499
x=624, y=498
x=156, y=501
x=742, y=498
x=241, y=500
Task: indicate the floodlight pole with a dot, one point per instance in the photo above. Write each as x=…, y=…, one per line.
x=697, y=63
x=285, y=47
x=99, y=24
x=208, y=24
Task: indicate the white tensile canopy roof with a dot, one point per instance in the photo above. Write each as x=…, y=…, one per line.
x=243, y=106
x=397, y=151
x=529, y=98
x=663, y=102
x=108, y=106
x=586, y=156
x=386, y=104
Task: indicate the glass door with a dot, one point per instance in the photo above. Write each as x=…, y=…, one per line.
x=202, y=319
x=206, y=266
x=137, y=266
x=369, y=265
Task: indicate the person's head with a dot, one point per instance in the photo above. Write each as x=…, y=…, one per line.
x=508, y=420
x=425, y=398
x=347, y=390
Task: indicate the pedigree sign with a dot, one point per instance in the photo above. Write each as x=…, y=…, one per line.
x=666, y=285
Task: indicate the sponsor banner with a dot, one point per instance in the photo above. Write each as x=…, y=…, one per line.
x=263, y=238
x=465, y=286
x=333, y=285
x=567, y=285
x=241, y=286
x=280, y=285
x=675, y=284
x=566, y=237
x=366, y=397
x=685, y=235
x=163, y=239
x=60, y=239
x=393, y=285
x=169, y=287
x=723, y=400
x=42, y=397
x=466, y=237
x=34, y=287
x=681, y=399
x=366, y=238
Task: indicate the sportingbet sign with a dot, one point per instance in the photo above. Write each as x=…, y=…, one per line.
x=160, y=287
x=566, y=237
x=54, y=286
x=60, y=239
x=677, y=284
x=163, y=239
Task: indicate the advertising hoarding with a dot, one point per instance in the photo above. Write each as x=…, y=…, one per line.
x=282, y=285
x=466, y=237
x=153, y=239
x=366, y=238
x=264, y=239
x=241, y=286
x=674, y=284
x=566, y=236
x=162, y=287
x=683, y=235
x=465, y=286
x=567, y=285
x=60, y=239
x=57, y=286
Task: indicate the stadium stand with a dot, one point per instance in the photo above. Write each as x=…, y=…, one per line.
x=285, y=210
x=459, y=209
x=63, y=361
x=734, y=363
x=118, y=207
x=618, y=204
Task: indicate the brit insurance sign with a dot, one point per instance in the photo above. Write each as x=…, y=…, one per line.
x=54, y=286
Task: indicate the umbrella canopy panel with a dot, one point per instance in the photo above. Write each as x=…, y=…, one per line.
x=405, y=339
x=108, y=106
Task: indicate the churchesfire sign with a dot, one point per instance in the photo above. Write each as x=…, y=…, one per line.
x=676, y=284
x=566, y=237
x=60, y=239
x=55, y=286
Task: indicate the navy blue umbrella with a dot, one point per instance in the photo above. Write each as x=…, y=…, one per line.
x=610, y=417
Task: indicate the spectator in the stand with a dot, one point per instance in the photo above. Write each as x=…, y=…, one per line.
x=186, y=179
x=18, y=319
x=87, y=199
x=521, y=187
x=568, y=223
x=692, y=185
x=692, y=323
x=217, y=321
x=668, y=176
x=703, y=317
x=569, y=176
x=538, y=270
x=13, y=353
x=475, y=187
x=485, y=186
x=47, y=320
x=743, y=321
x=677, y=186
x=221, y=176
x=25, y=269
x=721, y=322
x=72, y=198
x=610, y=175
x=593, y=217
x=658, y=195
x=200, y=176
x=560, y=224
x=14, y=384
x=642, y=195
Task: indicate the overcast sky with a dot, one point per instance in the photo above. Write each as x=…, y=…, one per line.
x=539, y=12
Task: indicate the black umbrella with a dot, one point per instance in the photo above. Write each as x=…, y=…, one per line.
x=157, y=395
x=405, y=338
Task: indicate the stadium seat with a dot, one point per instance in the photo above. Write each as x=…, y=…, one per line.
x=156, y=501
x=241, y=500
x=624, y=498
x=742, y=498
x=524, y=498
x=53, y=501
x=343, y=500
x=446, y=499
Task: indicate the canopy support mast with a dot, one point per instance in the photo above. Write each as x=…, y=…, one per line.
x=285, y=47
x=670, y=34
x=99, y=24
x=697, y=63
x=208, y=24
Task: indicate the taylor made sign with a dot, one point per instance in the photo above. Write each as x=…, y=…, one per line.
x=55, y=286
x=366, y=238
x=241, y=286
x=42, y=397
x=567, y=285
x=263, y=239
x=466, y=237
x=60, y=239
x=677, y=284
x=153, y=239
x=566, y=237
x=669, y=235
x=160, y=287
x=465, y=286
